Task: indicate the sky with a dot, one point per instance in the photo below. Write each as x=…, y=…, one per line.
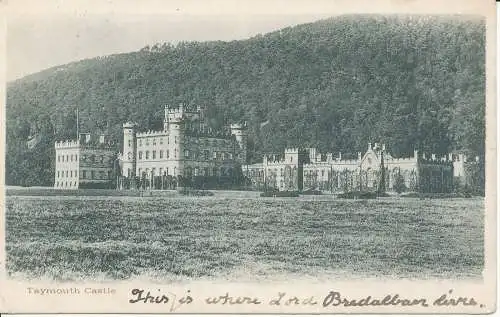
x=40, y=42
x=43, y=34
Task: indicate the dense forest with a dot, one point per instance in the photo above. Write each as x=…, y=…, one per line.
x=412, y=82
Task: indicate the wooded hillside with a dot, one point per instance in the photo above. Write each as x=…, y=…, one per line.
x=337, y=84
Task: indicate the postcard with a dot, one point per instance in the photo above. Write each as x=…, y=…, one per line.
x=305, y=157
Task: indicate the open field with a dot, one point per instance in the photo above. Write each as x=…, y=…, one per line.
x=242, y=238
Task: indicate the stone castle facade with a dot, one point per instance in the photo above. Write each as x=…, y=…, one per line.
x=84, y=163
x=186, y=152
x=306, y=169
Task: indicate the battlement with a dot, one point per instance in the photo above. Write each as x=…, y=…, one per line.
x=292, y=151
x=238, y=126
x=151, y=133
x=129, y=125
x=66, y=144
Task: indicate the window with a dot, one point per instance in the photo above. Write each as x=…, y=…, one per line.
x=166, y=171
x=67, y=158
x=147, y=141
x=154, y=141
x=147, y=155
x=215, y=155
x=168, y=140
x=76, y=173
x=59, y=158
x=186, y=153
x=161, y=153
x=129, y=143
x=168, y=154
x=175, y=139
x=175, y=153
x=102, y=174
x=102, y=158
x=206, y=155
x=84, y=174
x=140, y=171
x=70, y=173
x=161, y=140
x=129, y=156
x=66, y=173
x=57, y=173
x=322, y=172
x=161, y=171
x=140, y=155
x=62, y=158
x=92, y=174
x=76, y=157
x=153, y=171
x=140, y=142
x=154, y=155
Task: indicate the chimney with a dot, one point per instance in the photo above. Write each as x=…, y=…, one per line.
x=383, y=147
x=433, y=156
x=87, y=138
x=102, y=139
x=477, y=158
x=415, y=153
x=369, y=146
x=340, y=156
x=359, y=156
x=450, y=157
x=376, y=146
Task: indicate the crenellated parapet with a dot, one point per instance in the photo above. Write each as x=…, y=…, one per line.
x=66, y=144
x=152, y=133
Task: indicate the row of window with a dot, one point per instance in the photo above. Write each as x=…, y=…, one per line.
x=72, y=173
x=66, y=184
x=74, y=157
x=67, y=158
x=84, y=174
x=188, y=171
x=205, y=155
x=146, y=142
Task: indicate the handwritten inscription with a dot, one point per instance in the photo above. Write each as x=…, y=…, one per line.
x=147, y=297
x=332, y=299
x=226, y=299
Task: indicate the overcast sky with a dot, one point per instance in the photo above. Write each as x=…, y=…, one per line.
x=42, y=34
x=41, y=42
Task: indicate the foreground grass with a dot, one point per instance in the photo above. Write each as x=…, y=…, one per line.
x=71, y=238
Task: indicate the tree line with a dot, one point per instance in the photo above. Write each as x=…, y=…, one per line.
x=412, y=82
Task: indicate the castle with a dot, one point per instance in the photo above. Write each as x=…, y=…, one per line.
x=84, y=163
x=188, y=153
x=306, y=169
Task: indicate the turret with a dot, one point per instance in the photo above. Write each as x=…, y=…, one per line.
x=129, y=149
x=239, y=132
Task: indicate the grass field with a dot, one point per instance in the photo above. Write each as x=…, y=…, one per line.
x=242, y=238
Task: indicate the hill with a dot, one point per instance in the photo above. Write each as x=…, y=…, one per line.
x=408, y=81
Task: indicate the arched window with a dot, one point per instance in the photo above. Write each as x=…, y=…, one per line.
x=147, y=155
x=161, y=153
x=140, y=155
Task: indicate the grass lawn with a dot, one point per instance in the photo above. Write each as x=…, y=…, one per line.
x=242, y=238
